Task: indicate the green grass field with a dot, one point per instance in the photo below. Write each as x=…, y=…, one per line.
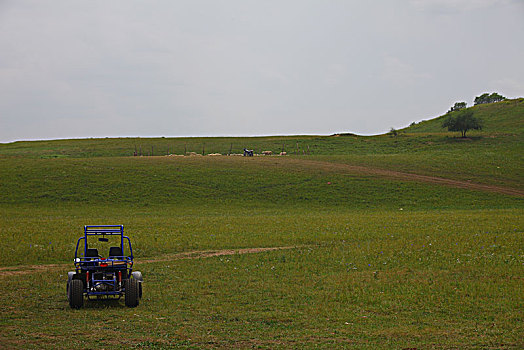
x=364, y=259
x=357, y=278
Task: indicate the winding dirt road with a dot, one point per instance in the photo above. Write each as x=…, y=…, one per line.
x=357, y=169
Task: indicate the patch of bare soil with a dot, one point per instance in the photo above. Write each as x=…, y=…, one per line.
x=201, y=254
x=25, y=269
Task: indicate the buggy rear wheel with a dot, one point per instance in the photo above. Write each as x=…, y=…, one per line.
x=132, y=292
x=76, y=294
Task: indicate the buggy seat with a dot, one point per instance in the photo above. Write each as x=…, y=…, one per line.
x=91, y=254
x=117, y=254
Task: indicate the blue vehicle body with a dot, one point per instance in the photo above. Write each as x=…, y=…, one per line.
x=104, y=277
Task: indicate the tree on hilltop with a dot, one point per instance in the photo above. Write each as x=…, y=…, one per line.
x=487, y=98
x=458, y=106
x=462, y=121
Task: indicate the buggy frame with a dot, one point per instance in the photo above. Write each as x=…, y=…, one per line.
x=100, y=277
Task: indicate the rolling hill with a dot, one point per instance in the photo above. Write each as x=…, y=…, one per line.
x=501, y=117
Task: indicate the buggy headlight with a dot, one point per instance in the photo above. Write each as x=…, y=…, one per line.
x=77, y=260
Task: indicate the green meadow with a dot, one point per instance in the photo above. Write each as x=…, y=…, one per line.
x=362, y=260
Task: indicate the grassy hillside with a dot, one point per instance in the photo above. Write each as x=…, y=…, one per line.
x=505, y=117
x=492, y=156
x=314, y=145
x=501, y=117
x=235, y=181
x=491, y=159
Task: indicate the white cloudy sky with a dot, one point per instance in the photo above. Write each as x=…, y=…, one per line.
x=242, y=67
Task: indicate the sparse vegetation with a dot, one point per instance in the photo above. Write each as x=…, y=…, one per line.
x=393, y=132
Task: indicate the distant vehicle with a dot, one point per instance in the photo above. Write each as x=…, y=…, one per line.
x=97, y=277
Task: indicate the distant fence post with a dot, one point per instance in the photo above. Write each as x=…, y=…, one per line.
x=203, y=148
x=152, y=151
x=185, y=149
x=230, y=149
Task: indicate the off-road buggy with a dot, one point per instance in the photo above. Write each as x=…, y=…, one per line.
x=97, y=277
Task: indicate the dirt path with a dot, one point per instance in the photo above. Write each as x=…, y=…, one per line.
x=212, y=253
x=413, y=177
x=200, y=254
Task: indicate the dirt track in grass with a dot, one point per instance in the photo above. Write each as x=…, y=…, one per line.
x=358, y=169
x=200, y=254
x=212, y=253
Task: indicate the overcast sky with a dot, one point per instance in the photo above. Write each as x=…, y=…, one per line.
x=71, y=69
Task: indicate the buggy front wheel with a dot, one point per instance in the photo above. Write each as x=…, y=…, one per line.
x=132, y=292
x=76, y=294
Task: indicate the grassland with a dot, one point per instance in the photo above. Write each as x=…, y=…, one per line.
x=369, y=261
x=363, y=279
